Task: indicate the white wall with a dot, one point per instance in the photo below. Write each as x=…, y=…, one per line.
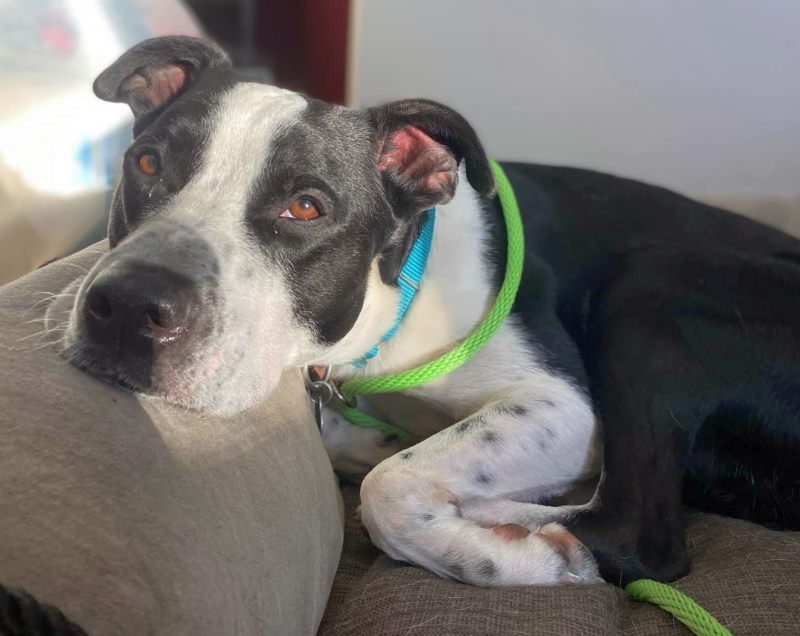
x=698, y=95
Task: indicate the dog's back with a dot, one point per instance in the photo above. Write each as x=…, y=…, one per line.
x=713, y=295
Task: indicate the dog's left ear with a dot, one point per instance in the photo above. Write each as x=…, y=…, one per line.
x=419, y=146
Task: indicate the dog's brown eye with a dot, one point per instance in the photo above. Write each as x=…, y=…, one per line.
x=148, y=164
x=304, y=209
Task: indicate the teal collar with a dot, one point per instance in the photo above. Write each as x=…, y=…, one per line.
x=408, y=281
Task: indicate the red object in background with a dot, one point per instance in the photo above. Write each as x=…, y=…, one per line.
x=307, y=43
x=57, y=34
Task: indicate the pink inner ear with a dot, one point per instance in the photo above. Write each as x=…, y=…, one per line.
x=155, y=85
x=416, y=156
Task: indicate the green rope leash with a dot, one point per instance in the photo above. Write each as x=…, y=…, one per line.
x=667, y=598
x=674, y=602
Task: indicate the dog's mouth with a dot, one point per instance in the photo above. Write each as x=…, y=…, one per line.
x=177, y=379
x=111, y=375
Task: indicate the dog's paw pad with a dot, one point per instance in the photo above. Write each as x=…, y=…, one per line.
x=580, y=564
x=511, y=531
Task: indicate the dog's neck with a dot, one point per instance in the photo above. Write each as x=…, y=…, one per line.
x=455, y=293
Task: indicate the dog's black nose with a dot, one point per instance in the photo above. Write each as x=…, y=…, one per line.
x=137, y=308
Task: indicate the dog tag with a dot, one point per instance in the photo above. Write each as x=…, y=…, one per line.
x=318, y=412
x=320, y=391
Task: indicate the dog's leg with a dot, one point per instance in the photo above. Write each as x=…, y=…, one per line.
x=534, y=442
x=634, y=524
x=354, y=450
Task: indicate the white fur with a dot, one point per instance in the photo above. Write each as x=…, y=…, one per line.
x=256, y=332
x=255, y=335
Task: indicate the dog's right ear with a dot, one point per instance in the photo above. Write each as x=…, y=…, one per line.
x=154, y=72
x=419, y=145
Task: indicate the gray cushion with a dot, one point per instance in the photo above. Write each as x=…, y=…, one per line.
x=746, y=575
x=137, y=518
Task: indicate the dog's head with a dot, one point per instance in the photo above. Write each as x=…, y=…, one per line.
x=253, y=229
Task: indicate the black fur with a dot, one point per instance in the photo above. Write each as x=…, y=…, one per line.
x=332, y=255
x=178, y=135
x=485, y=569
x=681, y=320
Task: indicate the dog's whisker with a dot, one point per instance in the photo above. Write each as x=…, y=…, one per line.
x=51, y=298
x=32, y=320
x=76, y=266
x=42, y=333
x=41, y=346
x=47, y=318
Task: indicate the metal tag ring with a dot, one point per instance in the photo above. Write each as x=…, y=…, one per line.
x=318, y=388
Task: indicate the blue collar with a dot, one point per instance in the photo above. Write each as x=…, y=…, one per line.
x=408, y=281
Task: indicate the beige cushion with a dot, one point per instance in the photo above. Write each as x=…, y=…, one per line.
x=136, y=518
x=782, y=212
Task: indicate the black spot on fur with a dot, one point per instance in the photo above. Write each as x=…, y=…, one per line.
x=426, y=517
x=511, y=410
x=466, y=425
x=490, y=437
x=546, y=438
x=407, y=455
x=482, y=478
x=485, y=569
x=564, y=559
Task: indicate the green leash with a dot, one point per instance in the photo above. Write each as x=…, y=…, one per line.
x=672, y=601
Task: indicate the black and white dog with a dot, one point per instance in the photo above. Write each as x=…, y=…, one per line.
x=255, y=230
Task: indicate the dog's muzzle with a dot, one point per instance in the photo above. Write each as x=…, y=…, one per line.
x=146, y=312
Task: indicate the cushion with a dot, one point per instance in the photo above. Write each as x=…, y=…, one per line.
x=133, y=517
x=744, y=574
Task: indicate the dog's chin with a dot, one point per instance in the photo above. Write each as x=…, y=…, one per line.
x=214, y=394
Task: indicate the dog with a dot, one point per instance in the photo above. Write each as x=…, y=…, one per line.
x=654, y=342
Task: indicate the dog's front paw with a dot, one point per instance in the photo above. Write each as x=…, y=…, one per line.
x=573, y=563
x=579, y=564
